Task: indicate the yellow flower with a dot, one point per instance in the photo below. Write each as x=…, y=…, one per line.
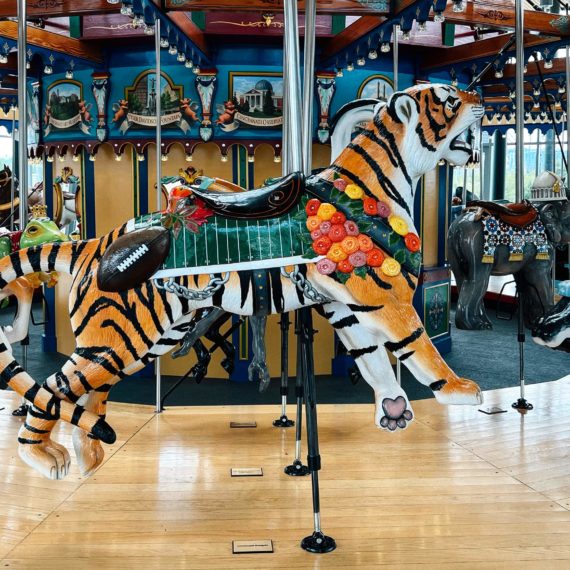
x=390, y=267
x=353, y=191
x=398, y=224
x=336, y=253
x=326, y=211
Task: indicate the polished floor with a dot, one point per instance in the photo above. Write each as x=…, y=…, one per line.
x=458, y=489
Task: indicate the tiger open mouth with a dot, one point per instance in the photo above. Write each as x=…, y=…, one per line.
x=469, y=141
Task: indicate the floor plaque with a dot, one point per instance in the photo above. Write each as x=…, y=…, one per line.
x=243, y=424
x=252, y=546
x=490, y=410
x=247, y=472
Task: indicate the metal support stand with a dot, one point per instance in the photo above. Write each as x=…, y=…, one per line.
x=284, y=421
x=22, y=410
x=521, y=404
x=297, y=469
x=318, y=542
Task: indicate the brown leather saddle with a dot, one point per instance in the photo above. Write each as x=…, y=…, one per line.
x=518, y=214
x=232, y=201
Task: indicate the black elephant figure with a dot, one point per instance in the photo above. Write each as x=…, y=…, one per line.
x=533, y=273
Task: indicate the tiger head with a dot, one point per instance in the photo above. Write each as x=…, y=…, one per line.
x=432, y=122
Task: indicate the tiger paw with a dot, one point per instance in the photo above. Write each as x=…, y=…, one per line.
x=48, y=458
x=89, y=452
x=457, y=391
x=394, y=414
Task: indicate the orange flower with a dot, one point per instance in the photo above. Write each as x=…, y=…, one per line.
x=338, y=218
x=336, y=253
x=313, y=223
x=412, y=242
x=180, y=192
x=365, y=243
x=312, y=207
x=337, y=232
x=345, y=266
x=326, y=211
x=370, y=206
x=350, y=244
x=322, y=245
x=375, y=257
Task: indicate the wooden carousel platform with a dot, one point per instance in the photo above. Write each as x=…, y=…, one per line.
x=458, y=489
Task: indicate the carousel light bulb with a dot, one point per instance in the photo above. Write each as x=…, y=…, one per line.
x=406, y=35
x=385, y=47
x=28, y=64
x=339, y=72
x=3, y=58
x=48, y=69
x=512, y=94
x=126, y=10
x=164, y=158
x=361, y=61
x=525, y=69
x=164, y=42
x=372, y=54
x=140, y=157
x=536, y=105
x=188, y=64
x=149, y=30
x=196, y=69
x=92, y=158
x=189, y=158
x=277, y=158
x=138, y=21
x=350, y=66
x=454, y=82
x=498, y=73
x=561, y=89
x=118, y=157
x=422, y=26
x=536, y=92
x=543, y=115
x=181, y=57
x=548, y=64
x=441, y=162
x=458, y=6
x=49, y=158
x=224, y=158
x=251, y=158
x=172, y=49
x=439, y=17
x=75, y=158
x=61, y=158
x=69, y=74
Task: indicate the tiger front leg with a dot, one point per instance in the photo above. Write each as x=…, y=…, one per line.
x=404, y=336
x=393, y=409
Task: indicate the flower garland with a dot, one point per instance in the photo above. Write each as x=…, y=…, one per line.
x=184, y=209
x=347, y=248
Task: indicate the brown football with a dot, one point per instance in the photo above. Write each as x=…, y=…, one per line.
x=132, y=259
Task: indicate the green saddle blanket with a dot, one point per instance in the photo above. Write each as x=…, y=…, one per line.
x=224, y=244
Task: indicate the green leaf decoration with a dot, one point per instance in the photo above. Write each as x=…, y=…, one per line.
x=342, y=277
x=306, y=239
x=361, y=272
x=365, y=226
x=400, y=256
x=394, y=238
x=300, y=216
x=336, y=176
x=415, y=260
x=309, y=255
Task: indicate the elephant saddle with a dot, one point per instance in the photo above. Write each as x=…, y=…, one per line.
x=519, y=214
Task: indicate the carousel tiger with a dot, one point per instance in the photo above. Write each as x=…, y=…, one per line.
x=119, y=333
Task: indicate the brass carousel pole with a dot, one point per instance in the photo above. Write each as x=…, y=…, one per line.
x=158, y=139
x=521, y=404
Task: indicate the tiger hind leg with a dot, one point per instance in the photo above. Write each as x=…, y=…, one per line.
x=37, y=449
x=88, y=449
x=393, y=409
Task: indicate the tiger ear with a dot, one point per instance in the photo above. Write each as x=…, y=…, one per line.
x=403, y=108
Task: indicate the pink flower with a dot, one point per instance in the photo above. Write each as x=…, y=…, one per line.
x=325, y=227
x=358, y=258
x=340, y=184
x=351, y=228
x=326, y=266
x=316, y=234
x=383, y=209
